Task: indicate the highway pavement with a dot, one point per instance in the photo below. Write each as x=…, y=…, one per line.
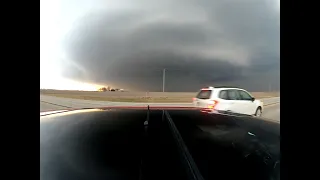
x=50, y=103
x=272, y=112
x=44, y=106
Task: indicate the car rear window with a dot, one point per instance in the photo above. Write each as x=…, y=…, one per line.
x=204, y=94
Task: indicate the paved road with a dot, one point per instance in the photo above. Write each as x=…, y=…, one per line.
x=79, y=103
x=49, y=107
x=48, y=103
x=272, y=112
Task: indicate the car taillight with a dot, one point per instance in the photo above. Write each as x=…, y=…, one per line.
x=212, y=104
x=193, y=99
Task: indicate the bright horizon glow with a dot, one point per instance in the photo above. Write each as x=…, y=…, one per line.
x=66, y=84
x=54, y=24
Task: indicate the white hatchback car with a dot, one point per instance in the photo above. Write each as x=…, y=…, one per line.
x=228, y=99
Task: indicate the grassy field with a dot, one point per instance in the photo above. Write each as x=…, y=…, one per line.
x=136, y=96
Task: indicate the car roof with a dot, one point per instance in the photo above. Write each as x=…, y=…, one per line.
x=221, y=88
x=119, y=144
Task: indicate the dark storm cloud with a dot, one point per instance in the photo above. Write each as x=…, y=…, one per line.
x=198, y=43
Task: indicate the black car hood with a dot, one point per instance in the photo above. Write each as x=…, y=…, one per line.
x=140, y=144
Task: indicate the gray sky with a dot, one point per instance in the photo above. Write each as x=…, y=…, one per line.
x=127, y=44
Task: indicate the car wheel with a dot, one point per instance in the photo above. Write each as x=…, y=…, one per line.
x=258, y=112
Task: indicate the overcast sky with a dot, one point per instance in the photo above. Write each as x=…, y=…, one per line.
x=127, y=44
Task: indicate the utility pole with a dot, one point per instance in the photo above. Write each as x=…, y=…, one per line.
x=163, y=79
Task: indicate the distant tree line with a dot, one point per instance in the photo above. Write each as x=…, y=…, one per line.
x=108, y=88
